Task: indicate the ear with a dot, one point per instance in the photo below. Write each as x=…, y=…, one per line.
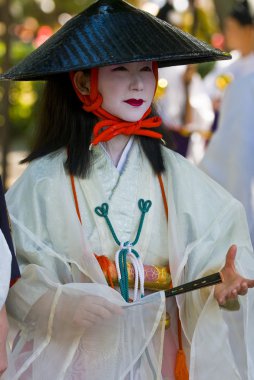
x=82, y=82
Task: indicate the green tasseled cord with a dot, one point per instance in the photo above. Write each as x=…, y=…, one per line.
x=102, y=211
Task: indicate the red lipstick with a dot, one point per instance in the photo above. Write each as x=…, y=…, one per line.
x=134, y=102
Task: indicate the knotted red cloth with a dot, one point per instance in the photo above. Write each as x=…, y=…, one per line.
x=109, y=125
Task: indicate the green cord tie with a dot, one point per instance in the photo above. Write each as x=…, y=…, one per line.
x=126, y=249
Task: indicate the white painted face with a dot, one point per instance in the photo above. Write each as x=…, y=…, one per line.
x=127, y=89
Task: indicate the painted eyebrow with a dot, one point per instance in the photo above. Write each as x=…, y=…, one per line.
x=146, y=67
x=120, y=67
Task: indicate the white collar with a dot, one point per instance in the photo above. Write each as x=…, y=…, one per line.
x=124, y=155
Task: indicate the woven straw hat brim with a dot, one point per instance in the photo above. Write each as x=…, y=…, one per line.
x=112, y=32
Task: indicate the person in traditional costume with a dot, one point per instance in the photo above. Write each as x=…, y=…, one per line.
x=9, y=273
x=183, y=104
x=186, y=110
x=239, y=38
x=233, y=168
x=105, y=216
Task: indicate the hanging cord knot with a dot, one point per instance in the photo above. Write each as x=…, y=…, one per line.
x=135, y=127
x=126, y=250
x=144, y=206
x=102, y=210
x=127, y=245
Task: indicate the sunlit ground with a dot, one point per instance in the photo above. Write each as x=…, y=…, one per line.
x=14, y=168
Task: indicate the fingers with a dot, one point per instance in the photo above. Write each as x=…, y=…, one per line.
x=223, y=297
x=226, y=293
x=91, y=318
x=243, y=291
x=250, y=283
x=93, y=310
x=112, y=308
x=234, y=294
x=233, y=284
x=230, y=258
x=242, y=286
x=100, y=312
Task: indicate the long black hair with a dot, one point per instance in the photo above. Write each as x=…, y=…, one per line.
x=63, y=123
x=241, y=12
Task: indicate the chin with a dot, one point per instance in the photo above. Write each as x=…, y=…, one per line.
x=129, y=118
x=132, y=117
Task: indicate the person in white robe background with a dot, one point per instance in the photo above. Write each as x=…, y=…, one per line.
x=186, y=110
x=183, y=104
x=229, y=157
x=86, y=172
x=239, y=38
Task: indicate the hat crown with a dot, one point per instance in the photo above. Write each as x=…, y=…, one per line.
x=111, y=32
x=107, y=6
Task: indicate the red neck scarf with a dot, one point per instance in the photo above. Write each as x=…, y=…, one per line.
x=114, y=126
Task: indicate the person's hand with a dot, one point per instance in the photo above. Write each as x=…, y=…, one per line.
x=93, y=309
x=233, y=283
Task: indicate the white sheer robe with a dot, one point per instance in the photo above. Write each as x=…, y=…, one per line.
x=58, y=268
x=5, y=269
x=229, y=157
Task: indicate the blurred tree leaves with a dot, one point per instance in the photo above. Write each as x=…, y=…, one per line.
x=29, y=20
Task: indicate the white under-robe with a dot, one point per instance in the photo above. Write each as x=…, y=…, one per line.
x=229, y=156
x=58, y=266
x=5, y=269
x=237, y=68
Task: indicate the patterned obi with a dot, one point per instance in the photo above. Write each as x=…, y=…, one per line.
x=156, y=277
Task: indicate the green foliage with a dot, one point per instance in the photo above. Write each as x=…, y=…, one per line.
x=205, y=68
x=24, y=97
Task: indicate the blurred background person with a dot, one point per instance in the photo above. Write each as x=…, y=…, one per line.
x=229, y=156
x=182, y=101
x=239, y=39
x=185, y=109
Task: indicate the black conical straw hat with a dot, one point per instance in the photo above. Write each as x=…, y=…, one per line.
x=111, y=32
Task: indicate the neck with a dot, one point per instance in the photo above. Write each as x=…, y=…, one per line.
x=115, y=147
x=246, y=51
x=248, y=44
